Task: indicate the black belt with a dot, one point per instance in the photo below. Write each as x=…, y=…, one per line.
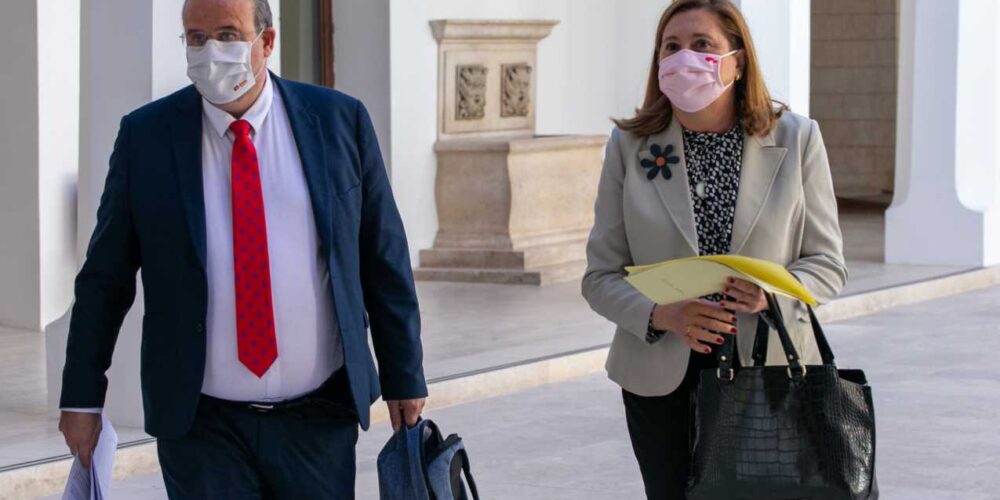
x=325, y=394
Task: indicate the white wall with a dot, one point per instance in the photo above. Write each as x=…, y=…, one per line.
x=19, y=252
x=977, y=132
x=635, y=36
x=58, y=151
x=39, y=116
x=947, y=204
x=781, y=34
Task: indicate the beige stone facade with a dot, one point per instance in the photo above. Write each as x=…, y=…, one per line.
x=853, y=92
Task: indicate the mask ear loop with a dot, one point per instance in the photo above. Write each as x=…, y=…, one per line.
x=256, y=76
x=718, y=69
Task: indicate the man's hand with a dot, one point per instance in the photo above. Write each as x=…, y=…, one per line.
x=405, y=410
x=81, y=431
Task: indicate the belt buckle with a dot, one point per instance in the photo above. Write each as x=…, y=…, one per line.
x=261, y=408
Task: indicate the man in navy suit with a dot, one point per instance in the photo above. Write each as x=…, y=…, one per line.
x=261, y=218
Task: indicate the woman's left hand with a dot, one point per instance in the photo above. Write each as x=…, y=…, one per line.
x=746, y=297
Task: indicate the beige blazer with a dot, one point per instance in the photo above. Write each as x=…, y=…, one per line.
x=785, y=212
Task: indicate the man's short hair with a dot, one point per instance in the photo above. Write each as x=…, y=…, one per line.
x=262, y=17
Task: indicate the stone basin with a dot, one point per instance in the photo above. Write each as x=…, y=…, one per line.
x=513, y=210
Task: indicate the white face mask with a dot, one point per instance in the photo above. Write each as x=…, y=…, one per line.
x=222, y=71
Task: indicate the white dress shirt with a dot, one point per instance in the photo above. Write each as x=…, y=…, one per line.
x=309, y=346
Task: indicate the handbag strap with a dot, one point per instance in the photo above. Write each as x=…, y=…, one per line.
x=767, y=320
x=726, y=355
x=760, y=338
x=825, y=352
x=791, y=353
x=774, y=318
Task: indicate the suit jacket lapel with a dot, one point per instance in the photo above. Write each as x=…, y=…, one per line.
x=185, y=132
x=675, y=193
x=760, y=165
x=309, y=141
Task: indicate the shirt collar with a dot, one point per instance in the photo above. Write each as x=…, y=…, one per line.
x=220, y=120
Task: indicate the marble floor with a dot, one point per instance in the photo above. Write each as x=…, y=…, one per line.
x=937, y=400
x=466, y=327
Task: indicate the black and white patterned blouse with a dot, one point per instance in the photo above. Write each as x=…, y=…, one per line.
x=713, y=171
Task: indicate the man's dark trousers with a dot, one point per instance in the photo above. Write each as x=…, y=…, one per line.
x=234, y=451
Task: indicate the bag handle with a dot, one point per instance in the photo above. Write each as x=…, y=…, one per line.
x=467, y=472
x=415, y=458
x=761, y=338
x=791, y=353
x=774, y=315
x=766, y=321
x=825, y=352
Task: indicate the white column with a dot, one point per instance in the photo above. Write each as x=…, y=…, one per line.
x=38, y=143
x=132, y=55
x=781, y=34
x=947, y=203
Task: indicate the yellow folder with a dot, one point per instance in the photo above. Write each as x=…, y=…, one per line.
x=689, y=278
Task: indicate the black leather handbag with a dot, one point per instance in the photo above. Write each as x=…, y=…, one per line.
x=782, y=432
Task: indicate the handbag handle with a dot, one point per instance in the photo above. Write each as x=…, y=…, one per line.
x=766, y=321
x=825, y=352
x=791, y=353
x=774, y=318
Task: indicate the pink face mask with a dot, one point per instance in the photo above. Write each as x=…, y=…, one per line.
x=692, y=80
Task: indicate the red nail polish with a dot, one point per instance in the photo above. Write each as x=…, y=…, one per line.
x=723, y=304
x=719, y=340
x=708, y=350
x=734, y=319
x=733, y=330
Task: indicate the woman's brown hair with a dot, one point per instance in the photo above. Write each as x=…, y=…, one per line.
x=757, y=113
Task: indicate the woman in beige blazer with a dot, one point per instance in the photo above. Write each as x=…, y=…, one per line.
x=709, y=165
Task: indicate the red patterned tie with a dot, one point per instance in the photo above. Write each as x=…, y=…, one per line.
x=256, y=341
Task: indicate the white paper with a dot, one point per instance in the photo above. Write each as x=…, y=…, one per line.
x=93, y=483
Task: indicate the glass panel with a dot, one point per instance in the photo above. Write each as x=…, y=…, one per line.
x=300, y=40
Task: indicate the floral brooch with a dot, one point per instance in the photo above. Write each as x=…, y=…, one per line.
x=660, y=164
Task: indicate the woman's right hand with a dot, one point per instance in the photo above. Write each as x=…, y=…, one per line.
x=699, y=322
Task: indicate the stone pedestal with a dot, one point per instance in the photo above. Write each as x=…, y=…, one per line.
x=512, y=207
x=514, y=211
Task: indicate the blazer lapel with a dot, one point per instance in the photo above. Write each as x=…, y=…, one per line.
x=759, y=169
x=185, y=133
x=309, y=141
x=675, y=193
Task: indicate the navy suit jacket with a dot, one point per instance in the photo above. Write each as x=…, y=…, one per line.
x=152, y=219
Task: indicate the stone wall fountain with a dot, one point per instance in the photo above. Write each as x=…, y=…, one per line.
x=513, y=207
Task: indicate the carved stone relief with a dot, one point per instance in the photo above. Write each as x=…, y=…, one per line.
x=470, y=92
x=516, y=90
